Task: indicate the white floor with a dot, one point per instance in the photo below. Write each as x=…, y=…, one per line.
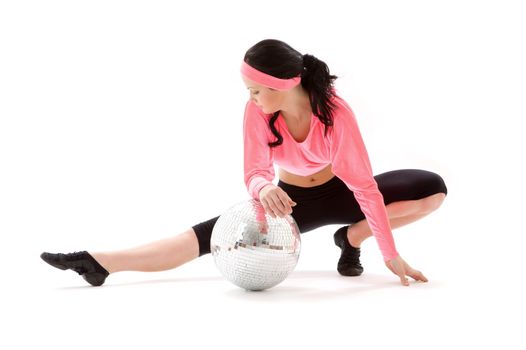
x=466, y=303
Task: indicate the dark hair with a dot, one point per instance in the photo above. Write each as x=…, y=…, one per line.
x=276, y=58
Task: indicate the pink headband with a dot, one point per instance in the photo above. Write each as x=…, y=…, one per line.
x=268, y=80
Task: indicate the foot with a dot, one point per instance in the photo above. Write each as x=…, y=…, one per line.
x=349, y=263
x=80, y=262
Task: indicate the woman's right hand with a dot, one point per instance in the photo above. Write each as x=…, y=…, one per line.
x=275, y=201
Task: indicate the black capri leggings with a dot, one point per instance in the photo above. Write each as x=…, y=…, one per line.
x=334, y=203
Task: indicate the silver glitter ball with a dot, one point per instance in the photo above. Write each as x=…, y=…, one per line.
x=252, y=249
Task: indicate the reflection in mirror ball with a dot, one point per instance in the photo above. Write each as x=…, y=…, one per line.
x=252, y=249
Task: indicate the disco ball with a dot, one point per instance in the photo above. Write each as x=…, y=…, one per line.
x=252, y=249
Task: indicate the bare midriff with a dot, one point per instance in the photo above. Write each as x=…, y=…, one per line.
x=315, y=179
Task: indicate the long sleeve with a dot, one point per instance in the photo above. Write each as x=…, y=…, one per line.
x=258, y=156
x=350, y=162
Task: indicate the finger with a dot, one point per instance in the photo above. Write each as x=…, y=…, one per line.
x=287, y=201
x=404, y=280
x=398, y=270
x=276, y=213
x=273, y=208
x=278, y=204
x=265, y=206
x=268, y=208
x=283, y=206
x=415, y=274
x=418, y=276
x=287, y=208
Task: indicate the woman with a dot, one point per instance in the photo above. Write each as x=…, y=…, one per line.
x=294, y=118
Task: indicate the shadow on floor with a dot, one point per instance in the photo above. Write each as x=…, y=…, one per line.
x=298, y=286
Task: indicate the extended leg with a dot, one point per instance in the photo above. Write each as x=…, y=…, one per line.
x=160, y=255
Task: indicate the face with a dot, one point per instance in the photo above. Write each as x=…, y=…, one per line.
x=269, y=100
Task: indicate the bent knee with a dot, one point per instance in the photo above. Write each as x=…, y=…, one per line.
x=439, y=185
x=433, y=202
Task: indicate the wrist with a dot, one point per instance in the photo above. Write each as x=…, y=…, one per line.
x=257, y=185
x=262, y=188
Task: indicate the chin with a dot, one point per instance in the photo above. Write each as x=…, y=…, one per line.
x=267, y=111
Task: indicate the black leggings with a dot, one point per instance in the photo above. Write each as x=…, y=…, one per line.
x=334, y=203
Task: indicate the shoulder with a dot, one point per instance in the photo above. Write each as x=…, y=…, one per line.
x=341, y=106
x=255, y=120
x=252, y=111
x=343, y=115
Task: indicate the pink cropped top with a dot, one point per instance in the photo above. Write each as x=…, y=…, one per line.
x=343, y=147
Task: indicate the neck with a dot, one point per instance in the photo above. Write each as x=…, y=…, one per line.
x=296, y=106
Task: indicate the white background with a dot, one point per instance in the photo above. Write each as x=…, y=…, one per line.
x=121, y=123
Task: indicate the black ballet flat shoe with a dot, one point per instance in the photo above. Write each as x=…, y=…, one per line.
x=80, y=262
x=349, y=263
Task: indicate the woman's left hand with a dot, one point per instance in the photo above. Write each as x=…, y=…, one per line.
x=399, y=267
